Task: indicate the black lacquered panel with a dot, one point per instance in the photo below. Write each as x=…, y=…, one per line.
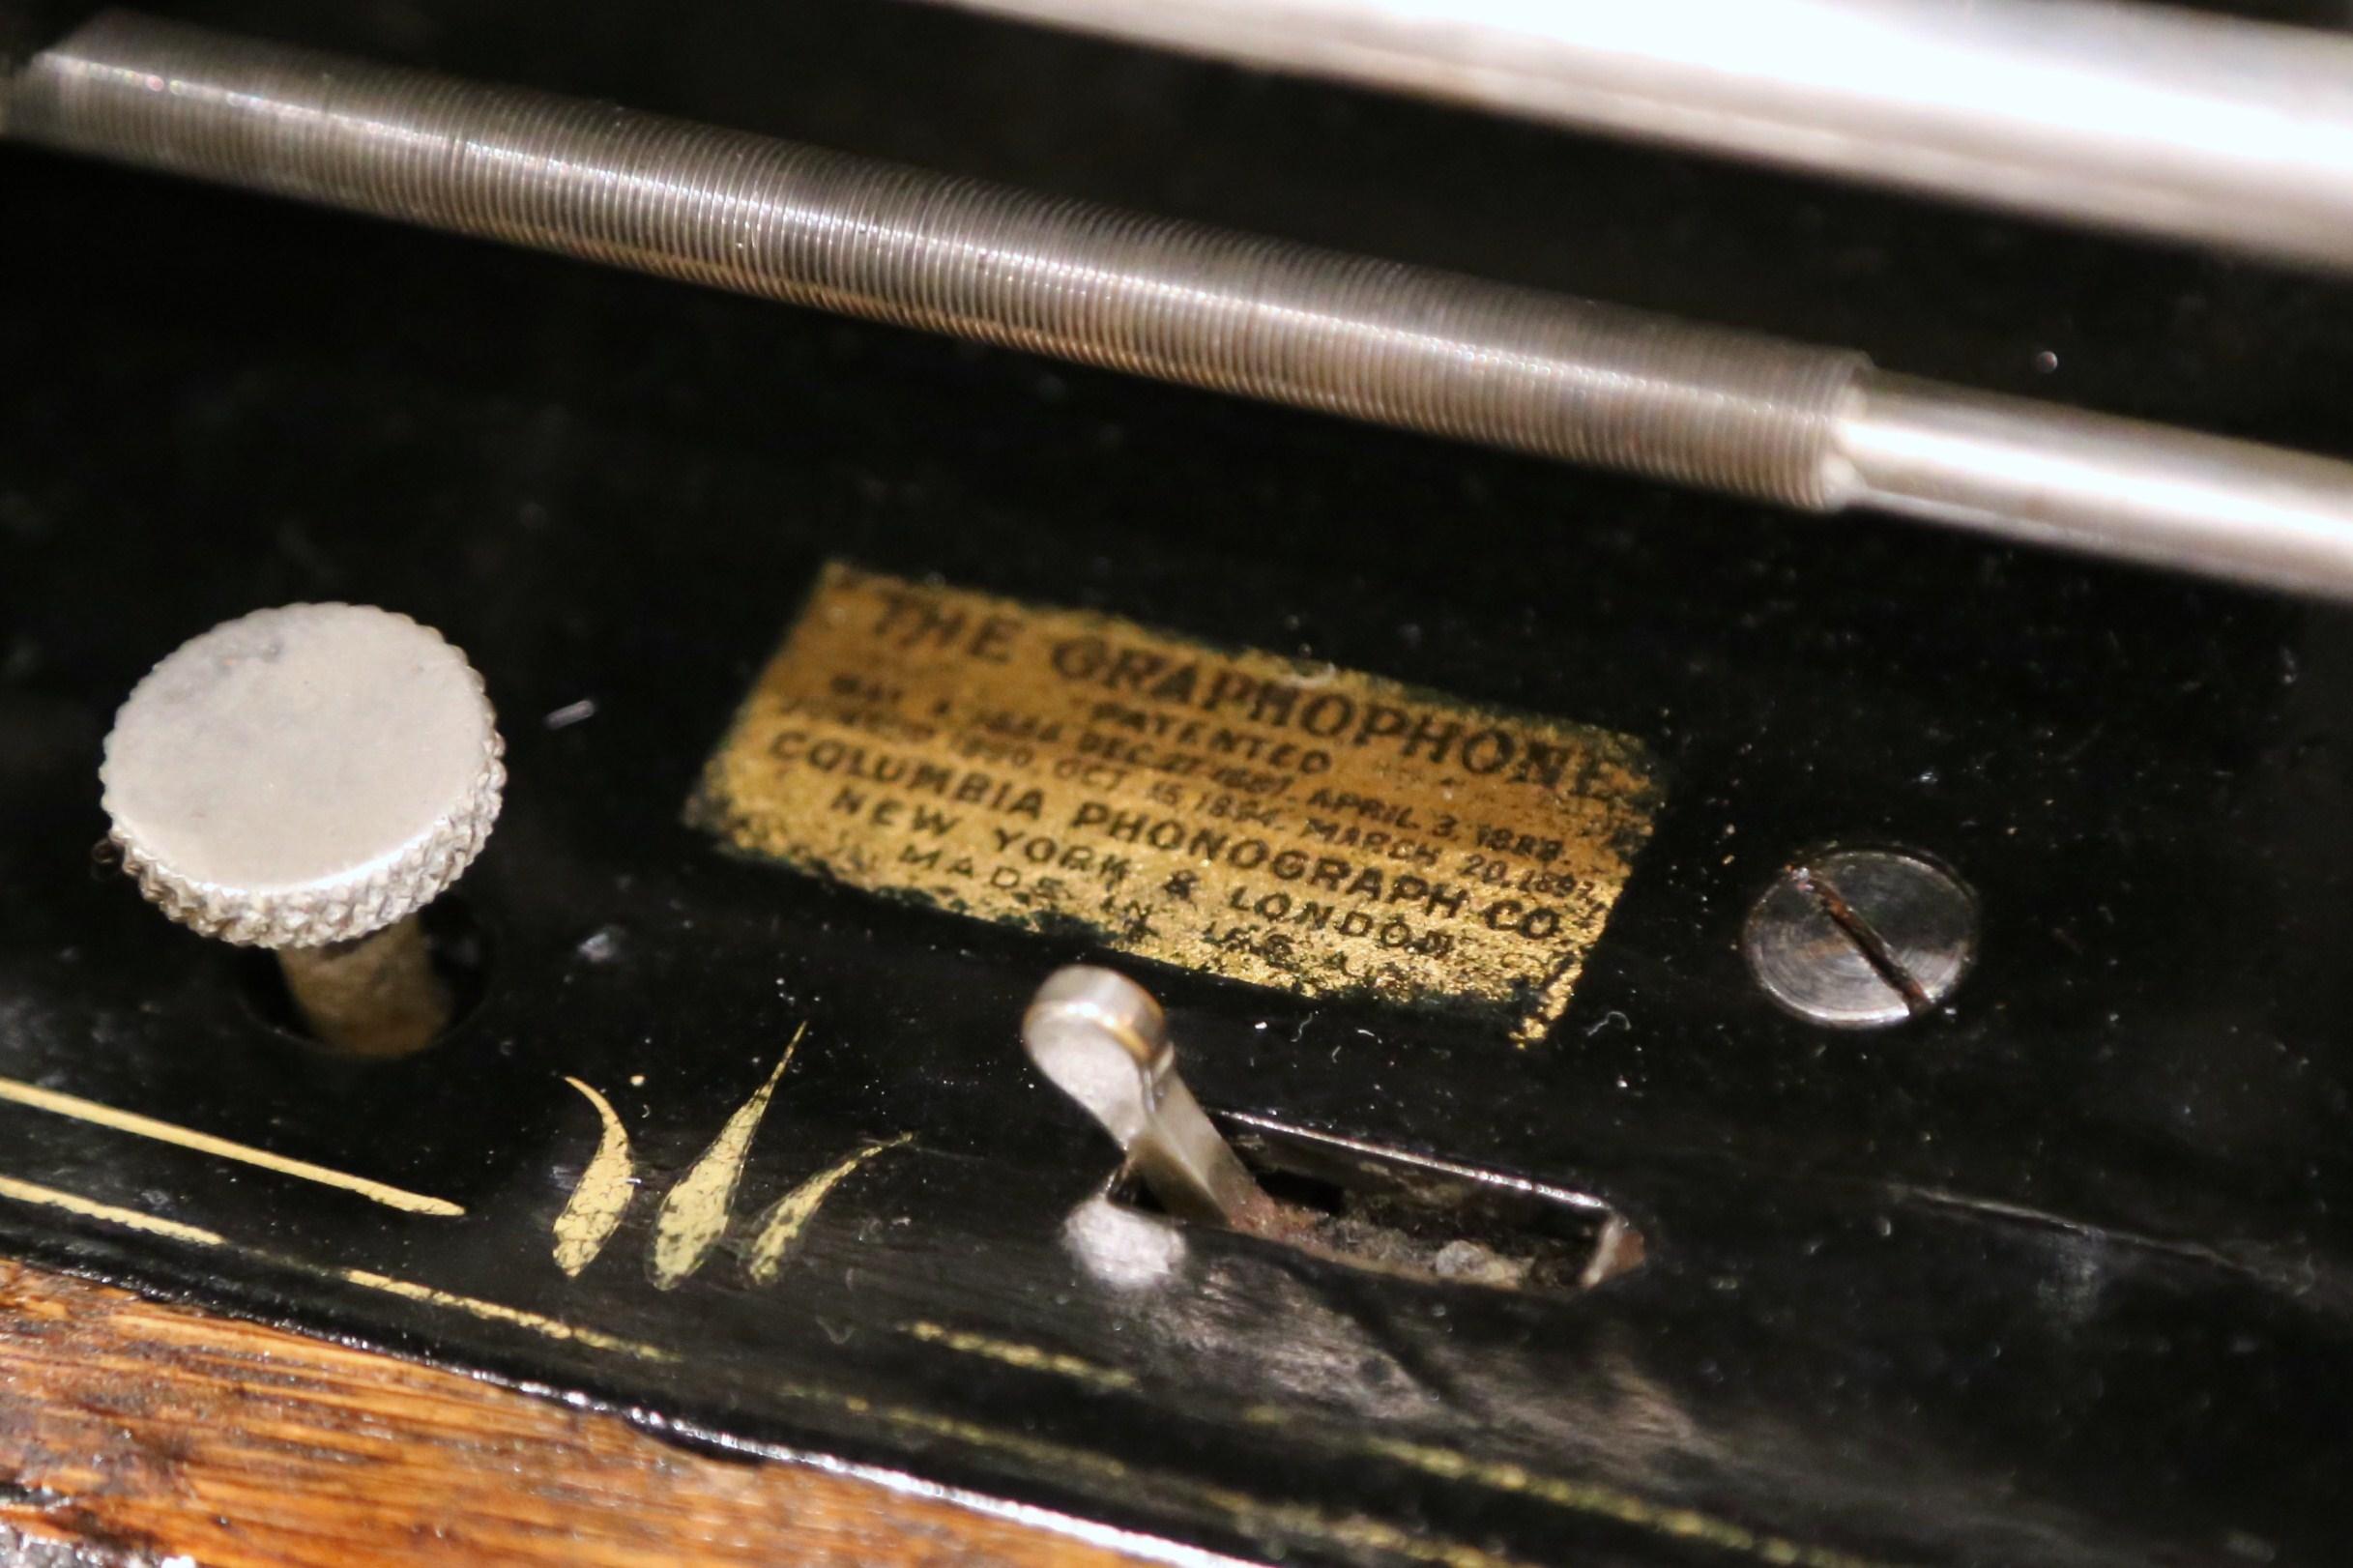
x=2053, y=1275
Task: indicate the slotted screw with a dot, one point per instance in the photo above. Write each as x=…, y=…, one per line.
x=1861, y=939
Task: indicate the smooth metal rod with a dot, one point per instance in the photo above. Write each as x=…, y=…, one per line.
x=2127, y=115
x=1808, y=427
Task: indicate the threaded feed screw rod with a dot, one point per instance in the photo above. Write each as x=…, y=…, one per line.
x=1422, y=350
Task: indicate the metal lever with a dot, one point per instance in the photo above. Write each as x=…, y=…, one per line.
x=1102, y=1040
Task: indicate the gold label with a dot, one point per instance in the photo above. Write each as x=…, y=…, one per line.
x=1260, y=818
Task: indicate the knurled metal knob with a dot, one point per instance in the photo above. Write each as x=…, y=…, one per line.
x=304, y=776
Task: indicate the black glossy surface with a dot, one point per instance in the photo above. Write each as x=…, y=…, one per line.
x=2057, y=1276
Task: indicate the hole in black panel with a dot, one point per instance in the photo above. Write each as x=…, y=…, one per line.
x=456, y=942
x=1397, y=1212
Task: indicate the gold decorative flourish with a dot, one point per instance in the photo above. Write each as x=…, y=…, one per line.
x=780, y=1228
x=90, y=1209
x=131, y=1219
x=1252, y=1515
x=35, y=1097
x=602, y=1194
x=1028, y=1357
x=1687, y=1524
x=695, y=1214
x=492, y=1311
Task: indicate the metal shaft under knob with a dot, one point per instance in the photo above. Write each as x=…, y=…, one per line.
x=305, y=779
x=376, y=995
x=1103, y=1041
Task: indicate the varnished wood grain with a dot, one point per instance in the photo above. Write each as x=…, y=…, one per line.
x=140, y=1430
